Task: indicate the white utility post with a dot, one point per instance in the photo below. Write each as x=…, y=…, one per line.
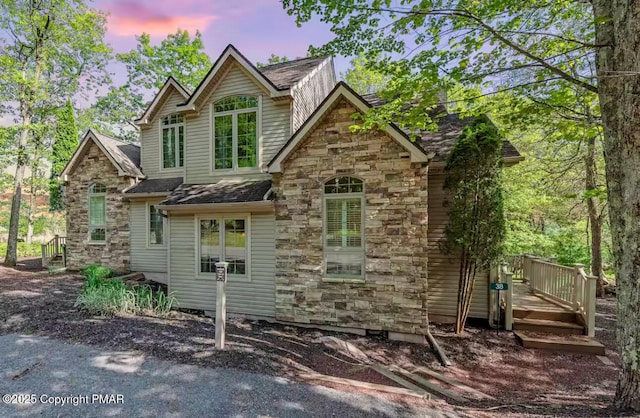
x=221, y=303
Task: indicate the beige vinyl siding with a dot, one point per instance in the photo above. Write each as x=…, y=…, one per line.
x=150, y=140
x=310, y=92
x=143, y=257
x=275, y=122
x=443, y=270
x=255, y=297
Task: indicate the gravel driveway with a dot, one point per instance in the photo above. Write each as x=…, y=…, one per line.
x=58, y=372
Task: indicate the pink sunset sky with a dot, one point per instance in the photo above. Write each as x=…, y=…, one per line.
x=257, y=28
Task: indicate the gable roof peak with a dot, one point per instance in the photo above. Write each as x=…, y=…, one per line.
x=124, y=156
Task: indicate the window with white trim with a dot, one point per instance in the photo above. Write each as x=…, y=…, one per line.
x=235, y=133
x=173, y=141
x=156, y=226
x=224, y=239
x=343, y=228
x=97, y=212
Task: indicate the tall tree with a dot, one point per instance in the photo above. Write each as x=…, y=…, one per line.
x=542, y=45
x=148, y=67
x=51, y=46
x=618, y=34
x=64, y=145
x=476, y=220
x=362, y=78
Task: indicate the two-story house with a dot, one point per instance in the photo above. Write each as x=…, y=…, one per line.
x=258, y=167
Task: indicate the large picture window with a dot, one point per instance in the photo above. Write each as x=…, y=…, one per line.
x=224, y=239
x=235, y=133
x=343, y=228
x=156, y=226
x=97, y=212
x=173, y=141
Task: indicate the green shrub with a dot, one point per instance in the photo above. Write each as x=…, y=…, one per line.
x=24, y=249
x=103, y=296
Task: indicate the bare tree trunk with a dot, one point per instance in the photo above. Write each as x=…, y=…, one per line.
x=33, y=193
x=595, y=222
x=30, y=219
x=618, y=86
x=11, y=257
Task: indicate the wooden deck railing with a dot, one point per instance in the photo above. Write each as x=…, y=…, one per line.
x=53, y=249
x=569, y=286
x=585, y=299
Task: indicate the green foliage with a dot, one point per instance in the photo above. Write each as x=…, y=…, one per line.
x=473, y=177
x=148, y=68
x=103, y=296
x=476, y=227
x=571, y=248
x=64, y=145
x=273, y=59
x=24, y=249
x=96, y=272
x=363, y=78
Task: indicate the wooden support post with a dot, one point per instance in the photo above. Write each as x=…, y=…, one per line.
x=577, y=284
x=591, y=306
x=508, y=310
x=221, y=303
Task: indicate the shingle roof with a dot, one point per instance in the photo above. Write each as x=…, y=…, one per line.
x=156, y=186
x=449, y=129
x=285, y=74
x=126, y=155
x=224, y=191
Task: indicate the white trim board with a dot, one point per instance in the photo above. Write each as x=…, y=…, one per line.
x=170, y=83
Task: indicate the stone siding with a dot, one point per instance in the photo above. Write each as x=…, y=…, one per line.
x=393, y=295
x=95, y=166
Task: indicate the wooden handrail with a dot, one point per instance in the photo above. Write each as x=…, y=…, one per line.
x=52, y=249
x=586, y=299
x=570, y=286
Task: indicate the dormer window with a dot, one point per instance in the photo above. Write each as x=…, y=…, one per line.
x=173, y=141
x=235, y=133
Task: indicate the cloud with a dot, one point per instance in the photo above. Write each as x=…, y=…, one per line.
x=127, y=19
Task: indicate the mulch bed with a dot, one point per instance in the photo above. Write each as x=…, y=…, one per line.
x=524, y=382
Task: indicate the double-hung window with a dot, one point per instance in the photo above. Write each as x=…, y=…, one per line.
x=173, y=141
x=343, y=228
x=224, y=239
x=156, y=226
x=235, y=133
x=97, y=212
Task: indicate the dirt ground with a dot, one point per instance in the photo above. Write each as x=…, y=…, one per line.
x=523, y=382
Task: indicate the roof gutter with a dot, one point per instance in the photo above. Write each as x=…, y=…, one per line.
x=129, y=196
x=257, y=206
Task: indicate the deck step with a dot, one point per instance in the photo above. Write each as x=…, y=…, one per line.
x=548, y=314
x=572, y=344
x=547, y=326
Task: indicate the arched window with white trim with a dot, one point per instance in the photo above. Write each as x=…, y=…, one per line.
x=97, y=212
x=344, y=228
x=235, y=133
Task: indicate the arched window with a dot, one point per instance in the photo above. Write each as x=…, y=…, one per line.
x=235, y=133
x=344, y=228
x=97, y=212
x=172, y=141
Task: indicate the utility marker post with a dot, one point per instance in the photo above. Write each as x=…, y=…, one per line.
x=221, y=303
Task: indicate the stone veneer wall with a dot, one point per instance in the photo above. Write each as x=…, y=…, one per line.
x=114, y=253
x=393, y=296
